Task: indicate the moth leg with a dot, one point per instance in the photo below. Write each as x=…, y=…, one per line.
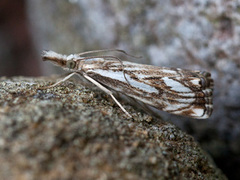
x=59, y=82
x=106, y=91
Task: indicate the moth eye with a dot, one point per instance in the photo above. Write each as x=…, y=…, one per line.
x=71, y=64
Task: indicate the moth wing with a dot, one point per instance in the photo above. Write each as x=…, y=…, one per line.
x=187, y=93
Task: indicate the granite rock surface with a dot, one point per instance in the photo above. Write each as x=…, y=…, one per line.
x=75, y=132
x=199, y=34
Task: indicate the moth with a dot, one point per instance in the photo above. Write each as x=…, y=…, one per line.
x=174, y=90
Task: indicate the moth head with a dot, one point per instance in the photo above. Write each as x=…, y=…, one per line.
x=71, y=64
x=60, y=60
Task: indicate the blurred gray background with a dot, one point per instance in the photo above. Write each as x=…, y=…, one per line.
x=197, y=34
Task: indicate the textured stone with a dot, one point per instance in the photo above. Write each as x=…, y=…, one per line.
x=72, y=132
x=188, y=34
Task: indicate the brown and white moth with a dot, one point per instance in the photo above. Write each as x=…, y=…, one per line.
x=174, y=90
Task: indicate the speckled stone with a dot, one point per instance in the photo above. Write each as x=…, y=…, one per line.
x=199, y=34
x=73, y=132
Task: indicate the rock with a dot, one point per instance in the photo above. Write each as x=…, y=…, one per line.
x=186, y=34
x=73, y=132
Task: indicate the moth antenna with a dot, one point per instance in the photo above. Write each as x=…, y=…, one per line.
x=110, y=50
